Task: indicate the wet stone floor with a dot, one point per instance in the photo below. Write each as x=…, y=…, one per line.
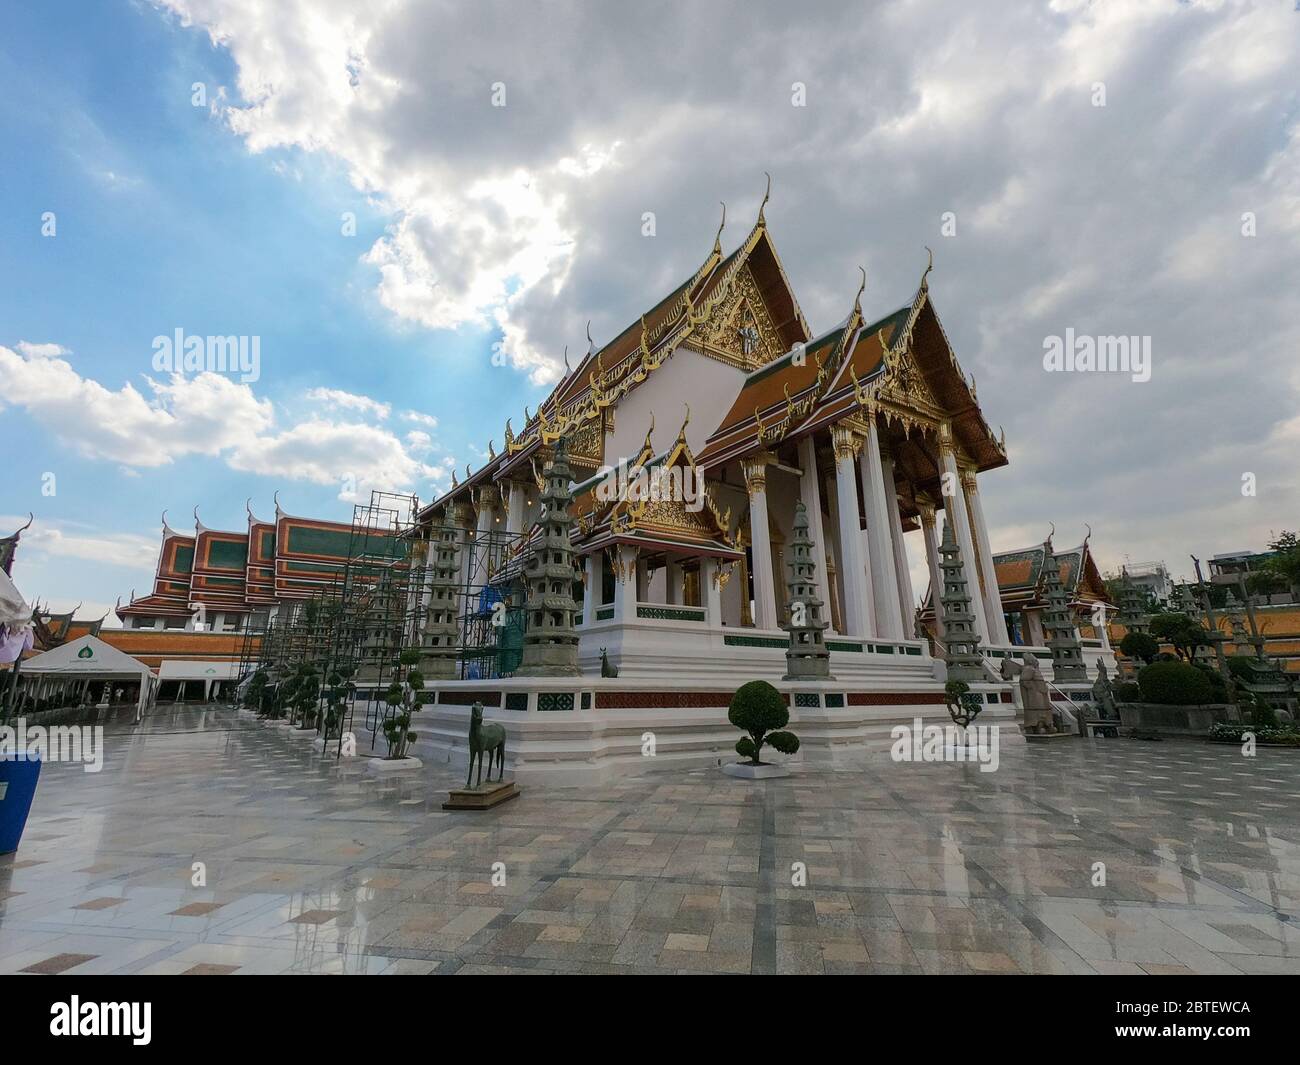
x=313, y=866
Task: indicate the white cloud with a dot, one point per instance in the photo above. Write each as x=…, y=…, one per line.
x=336, y=399
x=208, y=415
x=1123, y=219
x=74, y=540
x=427, y=420
x=40, y=351
x=205, y=414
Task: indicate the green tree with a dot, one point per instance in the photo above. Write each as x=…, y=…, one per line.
x=1285, y=563
x=1178, y=629
x=1139, y=645
x=758, y=708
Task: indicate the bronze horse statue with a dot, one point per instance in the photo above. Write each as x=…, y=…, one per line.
x=490, y=738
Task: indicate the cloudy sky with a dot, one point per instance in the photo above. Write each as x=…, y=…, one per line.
x=415, y=206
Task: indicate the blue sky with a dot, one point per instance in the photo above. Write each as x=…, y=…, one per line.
x=519, y=223
x=165, y=220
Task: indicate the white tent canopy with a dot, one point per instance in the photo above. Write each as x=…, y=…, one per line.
x=90, y=658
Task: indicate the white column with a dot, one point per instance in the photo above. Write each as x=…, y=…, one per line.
x=884, y=580
x=515, y=509
x=853, y=565
x=813, y=507
x=760, y=542
x=488, y=498
x=674, y=586
x=711, y=591
x=932, y=563
x=902, y=571
x=594, y=565
x=625, y=584
x=954, y=502
x=980, y=530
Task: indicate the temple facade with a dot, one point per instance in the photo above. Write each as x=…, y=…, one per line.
x=692, y=437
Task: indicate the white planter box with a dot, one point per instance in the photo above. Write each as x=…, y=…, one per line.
x=744, y=771
x=383, y=766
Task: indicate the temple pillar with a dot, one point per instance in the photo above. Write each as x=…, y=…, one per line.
x=488, y=499
x=711, y=591
x=515, y=509
x=1034, y=627
x=988, y=572
x=853, y=564
x=932, y=564
x=625, y=584
x=903, y=572
x=594, y=567
x=954, y=502
x=884, y=579
x=674, y=584
x=812, y=505
x=760, y=542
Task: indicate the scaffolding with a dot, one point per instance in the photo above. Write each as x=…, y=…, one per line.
x=455, y=597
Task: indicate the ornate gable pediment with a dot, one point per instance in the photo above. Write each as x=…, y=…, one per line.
x=739, y=329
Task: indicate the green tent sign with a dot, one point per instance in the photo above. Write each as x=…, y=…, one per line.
x=85, y=652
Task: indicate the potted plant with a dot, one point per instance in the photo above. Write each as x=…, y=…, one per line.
x=338, y=686
x=760, y=710
x=306, y=698
x=403, y=698
x=963, y=705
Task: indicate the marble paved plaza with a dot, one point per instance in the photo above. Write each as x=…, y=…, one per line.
x=314, y=867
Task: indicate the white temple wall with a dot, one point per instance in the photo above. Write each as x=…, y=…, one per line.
x=707, y=385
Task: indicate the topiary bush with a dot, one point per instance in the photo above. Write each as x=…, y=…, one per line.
x=759, y=709
x=1262, y=713
x=1140, y=646
x=403, y=696
x=1175, y=684
x=1128, y=692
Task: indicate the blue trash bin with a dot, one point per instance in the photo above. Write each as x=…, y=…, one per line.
x=18, y=775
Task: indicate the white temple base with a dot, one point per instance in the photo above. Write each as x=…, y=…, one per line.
x=623, y=727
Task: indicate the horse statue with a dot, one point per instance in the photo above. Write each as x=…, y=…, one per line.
x=490, y=738
x=607, y=670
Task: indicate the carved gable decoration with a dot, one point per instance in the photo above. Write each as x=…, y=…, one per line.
x=739, y=330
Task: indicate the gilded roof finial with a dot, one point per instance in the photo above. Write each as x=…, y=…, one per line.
x=717, y=240
x=925, y=285
x=527, y=417
x=681, y=433
x=857, y=300
x=649, y=433
x=567, y=370
x=591, y=344
x=491, y=451
x=454, y=483
x=468, y=473
x=1089, y=536
x=762, y=221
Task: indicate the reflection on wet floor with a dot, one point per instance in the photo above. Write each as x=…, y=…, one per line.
x=210, y=844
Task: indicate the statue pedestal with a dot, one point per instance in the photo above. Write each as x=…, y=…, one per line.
x=482, y=797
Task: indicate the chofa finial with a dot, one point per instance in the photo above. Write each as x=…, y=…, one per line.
x=857, y=300
x=762, y=221
x=717, y=240
x=925, y=284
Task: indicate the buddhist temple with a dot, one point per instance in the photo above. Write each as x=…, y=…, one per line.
x=692, y=436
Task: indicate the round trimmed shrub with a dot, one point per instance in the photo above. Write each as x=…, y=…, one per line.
x=759, y=709
x=1175, y=684
x=1139, y=645
x=1128, y=692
